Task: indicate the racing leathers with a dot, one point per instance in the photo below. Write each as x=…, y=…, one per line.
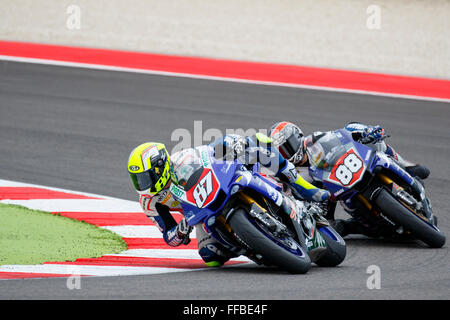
x=160, y=207
x=258, y=149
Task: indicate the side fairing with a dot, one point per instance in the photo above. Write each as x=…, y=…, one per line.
x=245, y=179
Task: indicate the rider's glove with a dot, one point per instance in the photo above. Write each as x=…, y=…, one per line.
x=183, y=231
x=321, y=195
x=372, y=134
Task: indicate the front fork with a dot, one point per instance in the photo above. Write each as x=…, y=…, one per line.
x=305, y=224
x=259, y=212
x=307, y=221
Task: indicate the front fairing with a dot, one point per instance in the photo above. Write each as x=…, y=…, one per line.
x=381, y=160
x=371, y=160
x=338, y=162
x=262, y=185
x=221, y=173
x=231, y=176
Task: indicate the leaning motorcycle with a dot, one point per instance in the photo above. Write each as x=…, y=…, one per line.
x=386, y=197
x=242, y=210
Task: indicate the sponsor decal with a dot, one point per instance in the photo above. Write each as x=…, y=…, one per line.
x=176, y=191
x=167, y=198
x=205, y=157
x=368, y=155
x=175, y=204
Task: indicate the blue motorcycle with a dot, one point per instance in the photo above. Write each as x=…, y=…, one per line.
x=383, y=195
x=240, y=208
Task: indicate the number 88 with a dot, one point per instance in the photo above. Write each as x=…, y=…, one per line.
x=352, y=164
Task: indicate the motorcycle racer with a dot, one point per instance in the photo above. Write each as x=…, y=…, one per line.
x=293, y=145
x=258, y=148
x=150, y=171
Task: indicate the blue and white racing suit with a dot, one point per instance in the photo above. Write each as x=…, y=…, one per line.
x=257, y=149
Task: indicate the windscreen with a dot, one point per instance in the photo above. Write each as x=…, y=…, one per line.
x=186, y=168
x=326, y=151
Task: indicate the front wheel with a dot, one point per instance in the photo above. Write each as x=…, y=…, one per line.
x=420, y=229
x=336, y=248
x=284, y=251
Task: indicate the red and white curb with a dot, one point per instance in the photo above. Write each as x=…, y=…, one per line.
x=146, y=253
x=335, y=80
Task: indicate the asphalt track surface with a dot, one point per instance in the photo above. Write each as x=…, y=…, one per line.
x=74, y=128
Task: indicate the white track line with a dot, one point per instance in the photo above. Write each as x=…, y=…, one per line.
x=88, y=270
x=214, y=78
x=79, y=205
x=162, y=253
x=159, y=253
x=10, y=183
x=132, y=231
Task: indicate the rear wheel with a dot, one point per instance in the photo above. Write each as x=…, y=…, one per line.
x=402, y=215
x=284, y=251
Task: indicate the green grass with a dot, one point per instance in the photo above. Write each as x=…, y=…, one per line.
x=33, y=237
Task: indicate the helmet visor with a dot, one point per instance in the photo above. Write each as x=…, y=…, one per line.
x=291, y=146
x=145, y=180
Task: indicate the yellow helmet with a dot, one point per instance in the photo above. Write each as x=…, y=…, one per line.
x=149, y=167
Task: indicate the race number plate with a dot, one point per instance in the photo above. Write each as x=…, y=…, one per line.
x=204, y=192
x=348, y=169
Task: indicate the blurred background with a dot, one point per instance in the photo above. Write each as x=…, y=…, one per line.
x=410, y=37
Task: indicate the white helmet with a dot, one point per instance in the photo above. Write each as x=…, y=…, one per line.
x=288, y=139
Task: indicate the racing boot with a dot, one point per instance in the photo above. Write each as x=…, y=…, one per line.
x=418, y=170
x=415, y=170
x=213, y=253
